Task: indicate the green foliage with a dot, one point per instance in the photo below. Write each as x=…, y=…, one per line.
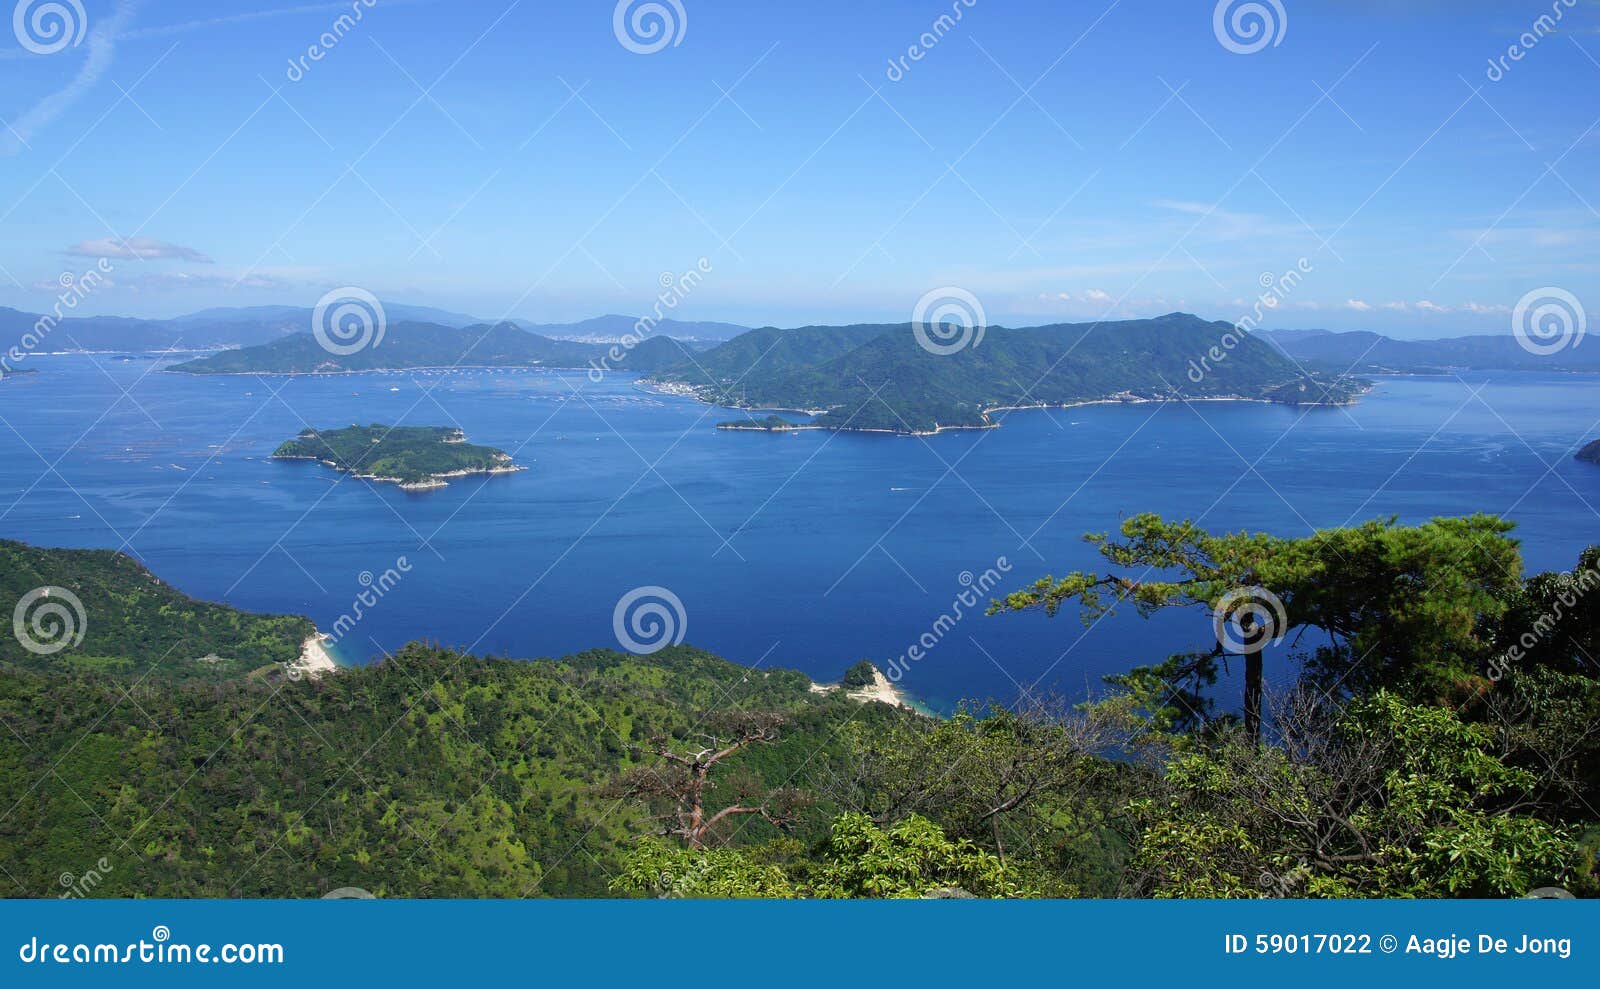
x=408, y=454
x=858, y=860
x=1388, y=800
x=432, y=774
x=1391, y=605
x=132, y=623
x=911, y=859
x=863, y=674
x=669, y=870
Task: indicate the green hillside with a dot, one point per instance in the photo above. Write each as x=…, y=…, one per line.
x=880, y=378
x=131, y=622
x=434, y=774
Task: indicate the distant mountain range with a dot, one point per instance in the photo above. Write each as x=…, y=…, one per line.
x=880, y=377
x=218, y=329
x=417, y=345
x=1361, y=352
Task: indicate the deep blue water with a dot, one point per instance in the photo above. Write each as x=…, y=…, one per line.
x=808, y=550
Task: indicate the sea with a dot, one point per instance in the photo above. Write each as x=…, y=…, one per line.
x=639, y=523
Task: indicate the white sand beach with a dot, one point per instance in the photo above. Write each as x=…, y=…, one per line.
x=881, y=690
x=315, y=660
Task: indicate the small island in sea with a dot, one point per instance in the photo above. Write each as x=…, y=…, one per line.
x=1590, y=453
x=414, y=457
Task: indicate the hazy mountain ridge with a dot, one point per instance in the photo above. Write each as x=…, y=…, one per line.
x=418, y=345
x=1365, y=352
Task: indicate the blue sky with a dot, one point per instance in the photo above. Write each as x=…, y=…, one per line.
x=1060, y=161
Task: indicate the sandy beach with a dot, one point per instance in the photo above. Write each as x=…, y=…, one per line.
x=881, y=690
x=315, y=660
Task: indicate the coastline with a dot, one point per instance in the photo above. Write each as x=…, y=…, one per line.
x=736, y=428
x=882, y=690
x=433, y=482
x=315, y=660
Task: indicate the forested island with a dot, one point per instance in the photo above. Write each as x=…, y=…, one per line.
x=1590, y=453
x=415, y=457
x=1436, y=739
x=883, y=378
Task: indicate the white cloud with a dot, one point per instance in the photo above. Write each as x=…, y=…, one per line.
x=136, y=249
x=1426, y=306
x=1396, y=306
x=1359, y=305
x=1095, y=295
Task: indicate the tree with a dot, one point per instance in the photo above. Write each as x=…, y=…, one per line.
x=657, y=868
x=682, y=783
x=858, y=860
x=1411, y=607
x=863, y=674
x=1553, y=622
x=972, y=773
x=914, y=858
x=1379, y=799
